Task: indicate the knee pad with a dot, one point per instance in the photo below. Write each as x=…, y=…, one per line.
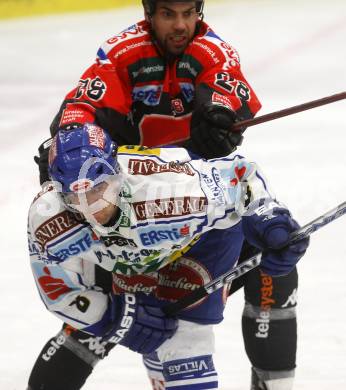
x=269, y=321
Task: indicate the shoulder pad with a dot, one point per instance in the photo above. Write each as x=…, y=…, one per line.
x=49, y=218
x=138, y=30
x=215, y=47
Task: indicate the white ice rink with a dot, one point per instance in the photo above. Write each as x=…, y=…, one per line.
x=292, y=52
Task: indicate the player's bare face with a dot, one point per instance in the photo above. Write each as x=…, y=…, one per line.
x=93, y=204
x=174, y=25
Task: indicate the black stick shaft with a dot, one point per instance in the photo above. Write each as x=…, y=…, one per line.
x=289, y=111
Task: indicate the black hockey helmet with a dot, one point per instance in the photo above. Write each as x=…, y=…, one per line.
x=150, y=5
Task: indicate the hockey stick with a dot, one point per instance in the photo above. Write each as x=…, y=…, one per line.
x=289, y=111
x=173, y=308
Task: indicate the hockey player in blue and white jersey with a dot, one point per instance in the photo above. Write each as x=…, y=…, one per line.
x=162, y=223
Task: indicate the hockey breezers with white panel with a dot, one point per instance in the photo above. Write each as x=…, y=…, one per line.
x=246, y=266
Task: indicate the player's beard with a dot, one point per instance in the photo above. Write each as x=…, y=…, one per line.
x=175, y=44
x=168, y=48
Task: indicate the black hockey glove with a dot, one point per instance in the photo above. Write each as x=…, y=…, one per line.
x=210, y=135
x=42, y=160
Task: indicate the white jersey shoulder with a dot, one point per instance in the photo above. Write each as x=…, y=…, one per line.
x=58, y=245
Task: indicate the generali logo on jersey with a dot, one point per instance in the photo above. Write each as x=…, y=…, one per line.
x=150, y=167
x=55, y=226
x=172, y=207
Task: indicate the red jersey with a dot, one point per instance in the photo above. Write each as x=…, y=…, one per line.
x=141, y=97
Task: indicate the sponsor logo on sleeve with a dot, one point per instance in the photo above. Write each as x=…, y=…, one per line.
x=212, y=54
x=215, y=186
x=53, y=282
x=222, y=101
x=151, y=167
x=77, y=113
x=239, y=173
x=80, y=242
x=170, y=207
x=55, y=227
x=130, y=32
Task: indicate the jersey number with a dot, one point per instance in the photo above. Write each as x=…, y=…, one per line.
x=82, y=303
x=228, y=83
x=224, y=81
x=94, y=89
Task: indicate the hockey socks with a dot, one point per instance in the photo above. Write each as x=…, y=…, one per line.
x=155, y=371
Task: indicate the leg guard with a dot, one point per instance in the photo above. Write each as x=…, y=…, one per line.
x=66, y=361
x=269, y=323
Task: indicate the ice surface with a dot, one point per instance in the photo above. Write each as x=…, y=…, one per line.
x=291, y=52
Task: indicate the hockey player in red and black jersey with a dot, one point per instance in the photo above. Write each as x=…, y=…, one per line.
x=170, y=80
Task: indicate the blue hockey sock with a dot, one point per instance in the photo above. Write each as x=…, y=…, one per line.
x=155, y=371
